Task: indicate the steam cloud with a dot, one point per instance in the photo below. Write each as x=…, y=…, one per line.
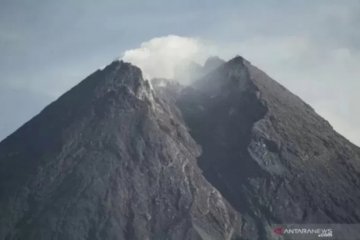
x=294, y=61
x=161, y=57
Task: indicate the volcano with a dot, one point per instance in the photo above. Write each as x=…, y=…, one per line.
x=226, y=157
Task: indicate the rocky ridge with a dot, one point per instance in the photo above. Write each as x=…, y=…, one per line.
x=225, y=158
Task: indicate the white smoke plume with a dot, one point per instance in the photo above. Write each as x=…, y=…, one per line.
x=162, y=57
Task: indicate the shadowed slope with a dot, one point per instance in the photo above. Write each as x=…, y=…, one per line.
x=271, y=156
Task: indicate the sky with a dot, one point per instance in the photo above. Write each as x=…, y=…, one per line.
x=311, y=47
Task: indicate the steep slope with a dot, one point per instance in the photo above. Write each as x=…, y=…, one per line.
x=225, y=158
x=108, y=160
x=270, y=155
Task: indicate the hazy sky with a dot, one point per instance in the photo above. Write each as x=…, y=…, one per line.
x=312, y=47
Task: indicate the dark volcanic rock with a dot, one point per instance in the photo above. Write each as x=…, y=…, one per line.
x=222, y=159
x=270, y=155
x=212, y=63
x=108, y=160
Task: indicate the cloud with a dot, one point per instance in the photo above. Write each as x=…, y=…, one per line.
x=161, y=57
x=312, y=47
x=324, y=75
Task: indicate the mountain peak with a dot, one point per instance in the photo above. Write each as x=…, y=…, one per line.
x=225, y=158
x=263, y=145
x=102, y=162
x=123, y=76
x=212, y=63
x=238, y=60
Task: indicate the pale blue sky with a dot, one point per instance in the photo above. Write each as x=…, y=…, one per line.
x=312, y=47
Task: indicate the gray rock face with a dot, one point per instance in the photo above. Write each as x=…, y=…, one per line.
x=221, y=159
x=270, y=155
x=108, y=160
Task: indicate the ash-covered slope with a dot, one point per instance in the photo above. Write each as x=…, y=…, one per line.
x=222, y=159
x=270, y=155
x=108, y=160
